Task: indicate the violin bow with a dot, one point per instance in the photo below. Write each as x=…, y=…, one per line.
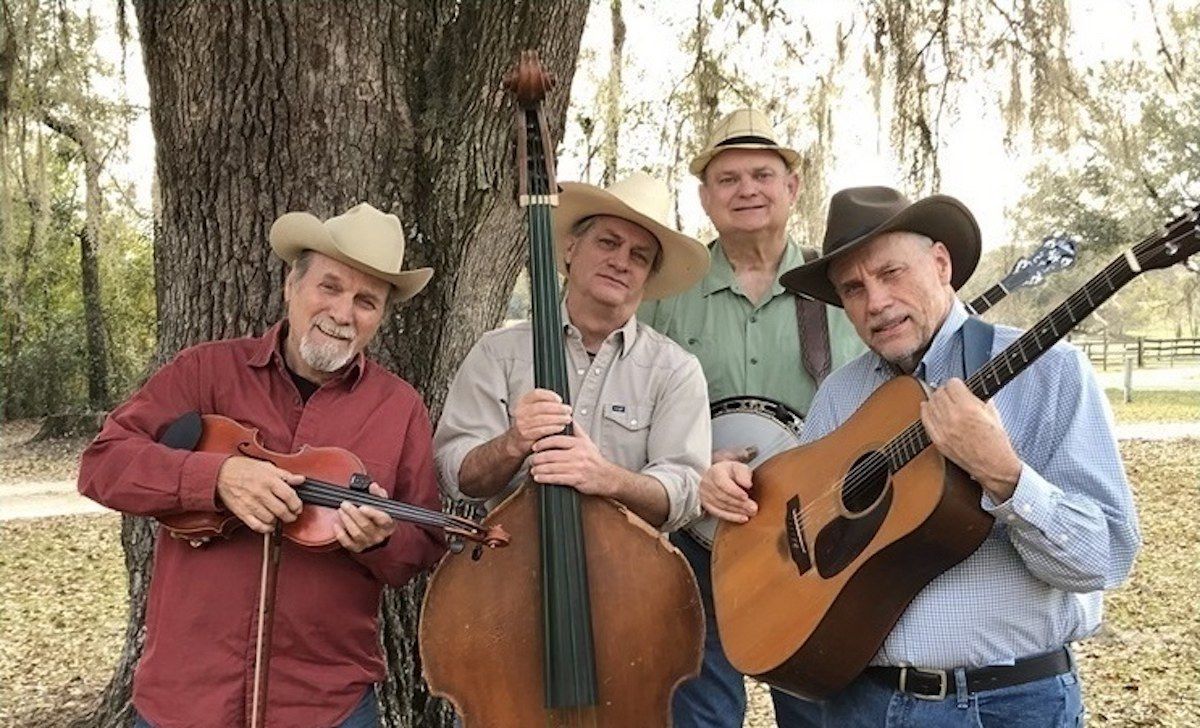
x=266, y=622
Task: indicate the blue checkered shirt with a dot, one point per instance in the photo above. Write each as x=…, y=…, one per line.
x=1068, y=532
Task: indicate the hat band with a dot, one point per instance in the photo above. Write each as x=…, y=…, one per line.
x=746, y=140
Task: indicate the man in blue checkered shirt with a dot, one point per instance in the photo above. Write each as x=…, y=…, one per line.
x=985, y=643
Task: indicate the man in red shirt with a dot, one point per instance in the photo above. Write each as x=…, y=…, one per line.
x=304, y=382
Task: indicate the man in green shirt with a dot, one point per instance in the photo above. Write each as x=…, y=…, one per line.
x=746, y=331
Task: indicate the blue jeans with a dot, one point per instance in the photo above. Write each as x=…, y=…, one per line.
x=717, y=697
x=1052, y=702
x=364, y=715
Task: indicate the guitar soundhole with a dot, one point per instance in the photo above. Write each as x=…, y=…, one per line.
x=865, y=482
x=867, y=497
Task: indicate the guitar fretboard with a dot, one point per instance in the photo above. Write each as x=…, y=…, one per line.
x=1017, y=356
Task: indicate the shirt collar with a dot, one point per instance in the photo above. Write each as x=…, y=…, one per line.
x=627, y=334
x=721, y=276
x=937, y=359
x=269, y=347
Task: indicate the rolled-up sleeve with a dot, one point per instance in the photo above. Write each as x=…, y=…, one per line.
x=475, y=411
x=679, y=448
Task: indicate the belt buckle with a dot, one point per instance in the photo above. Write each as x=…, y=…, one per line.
x=941, y=693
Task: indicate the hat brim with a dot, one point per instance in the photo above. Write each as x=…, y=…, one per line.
x=295, y=232
x=700, y=162
x=938, y=217
x=684, y=260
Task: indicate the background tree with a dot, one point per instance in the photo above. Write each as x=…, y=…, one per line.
x=58, y=134
x=1134, y=165
x=317, y=106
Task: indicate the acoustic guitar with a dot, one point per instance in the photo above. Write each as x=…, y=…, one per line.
x=770, y=426
x=852, y=526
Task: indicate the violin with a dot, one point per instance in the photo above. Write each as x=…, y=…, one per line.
x=332, y=476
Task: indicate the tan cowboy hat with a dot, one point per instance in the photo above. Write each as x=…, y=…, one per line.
x=362, y=237
x=644, y=201
x=860, y=214
x=742, y=129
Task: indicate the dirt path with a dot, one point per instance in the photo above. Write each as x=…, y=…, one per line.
x=28, y=498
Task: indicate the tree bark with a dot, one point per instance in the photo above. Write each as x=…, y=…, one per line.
x=276, y=106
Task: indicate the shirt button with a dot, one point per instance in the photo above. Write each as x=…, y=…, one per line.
x=579, y=372
x=753, y=319
x=583, y=410
x=754, y=361
x=1026, y=509
x=1011, y=518
x=1062, y=537
x=596, y=370
x=634, y=422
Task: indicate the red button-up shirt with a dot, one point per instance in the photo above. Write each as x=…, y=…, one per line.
x=198, y=663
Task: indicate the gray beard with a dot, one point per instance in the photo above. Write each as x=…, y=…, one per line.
x=328, y=357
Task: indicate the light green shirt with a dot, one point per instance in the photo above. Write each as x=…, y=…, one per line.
x=744, y=348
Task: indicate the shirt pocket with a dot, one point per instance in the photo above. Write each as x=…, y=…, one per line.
x=625, y=431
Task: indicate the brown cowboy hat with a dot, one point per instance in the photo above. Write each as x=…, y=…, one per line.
x=362, y=237
x=860, y=214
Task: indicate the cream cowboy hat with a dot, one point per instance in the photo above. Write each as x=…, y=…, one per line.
x=858, y=215
x=644, y=201
x=742, y=129
x=362, y=237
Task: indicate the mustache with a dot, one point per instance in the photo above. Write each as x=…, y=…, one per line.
x=881, y=324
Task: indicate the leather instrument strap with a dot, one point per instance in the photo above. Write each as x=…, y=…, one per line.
x=813, y=325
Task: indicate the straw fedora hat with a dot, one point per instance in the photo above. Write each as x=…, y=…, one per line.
x=742, y=129
x=362, y=237
x=644, y=201
x=860, y=214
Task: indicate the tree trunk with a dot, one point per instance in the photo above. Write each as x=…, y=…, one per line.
x=317, y=106
x=612, y=100
x=89, y=259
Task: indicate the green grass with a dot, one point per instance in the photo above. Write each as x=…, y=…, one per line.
x=1156, y=406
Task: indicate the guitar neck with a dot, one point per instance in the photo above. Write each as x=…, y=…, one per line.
x=1016, y=357
x=987, y=299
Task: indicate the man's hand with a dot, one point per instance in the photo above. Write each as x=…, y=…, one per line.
x=723, y=490
x=539, y=413
x=362, y=527
x=258, y=493
x=970, y=433
x=575, y=461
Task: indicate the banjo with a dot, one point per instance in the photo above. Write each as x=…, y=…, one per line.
x=768, y=427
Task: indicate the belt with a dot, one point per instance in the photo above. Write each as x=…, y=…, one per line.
x=934, y=684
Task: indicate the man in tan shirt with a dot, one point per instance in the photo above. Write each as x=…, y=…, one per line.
x=640, y=408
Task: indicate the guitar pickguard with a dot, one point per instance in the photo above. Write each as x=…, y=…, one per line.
x=843, y=539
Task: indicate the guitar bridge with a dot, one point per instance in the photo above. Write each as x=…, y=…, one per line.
x=794, y=527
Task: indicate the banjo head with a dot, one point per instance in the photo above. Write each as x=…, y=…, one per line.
x=765, y=424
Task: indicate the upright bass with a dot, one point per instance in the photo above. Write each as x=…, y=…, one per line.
x=590, y=617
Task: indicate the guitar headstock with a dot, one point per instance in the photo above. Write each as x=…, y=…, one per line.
x=1056, y=253
x=1177, y=241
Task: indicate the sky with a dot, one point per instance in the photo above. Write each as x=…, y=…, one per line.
x=976, y=166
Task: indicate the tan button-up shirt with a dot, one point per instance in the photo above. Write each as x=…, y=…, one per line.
x=642, y=399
